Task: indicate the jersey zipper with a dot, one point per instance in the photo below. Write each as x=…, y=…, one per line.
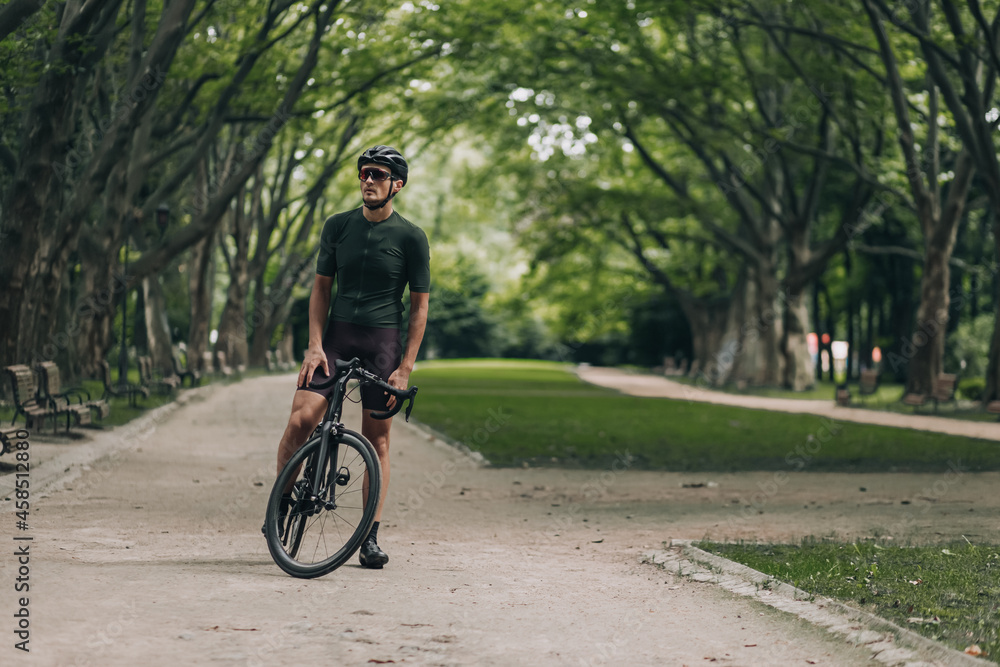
x=361, y=280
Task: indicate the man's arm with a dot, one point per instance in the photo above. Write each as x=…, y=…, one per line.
x=400, y=378
x=319, y=312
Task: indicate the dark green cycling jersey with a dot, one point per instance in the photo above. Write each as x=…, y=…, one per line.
x=373, y=262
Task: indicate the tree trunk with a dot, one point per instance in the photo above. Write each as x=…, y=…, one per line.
x=799, y=371
x=750, y=351
x=869, y=339
x=273, y=306
x=233, y=328
x=46, y=202
x=158, y=339
x=100, y=291
x=707, y=318
x=926, y=348
x=992, y=392
x=287, y=344
x=31, y=211
x=767, y=325
x=201, y=277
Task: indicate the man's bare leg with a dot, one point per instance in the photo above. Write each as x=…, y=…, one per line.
x=307, y=410
x=377, y=433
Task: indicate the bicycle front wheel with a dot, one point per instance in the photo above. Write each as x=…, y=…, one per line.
x=331, y=508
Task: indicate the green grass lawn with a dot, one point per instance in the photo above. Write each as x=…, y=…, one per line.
x=824, y=390
x=948, y=593
x=539, y=413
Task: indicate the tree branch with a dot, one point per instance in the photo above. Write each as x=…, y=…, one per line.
x=15, y=13
x=921, y=196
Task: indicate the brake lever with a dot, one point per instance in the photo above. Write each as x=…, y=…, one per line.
x=409, y=405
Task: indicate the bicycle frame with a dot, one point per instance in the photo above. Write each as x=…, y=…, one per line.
x=331, y=423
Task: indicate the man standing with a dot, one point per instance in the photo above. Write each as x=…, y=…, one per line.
x=373, y=252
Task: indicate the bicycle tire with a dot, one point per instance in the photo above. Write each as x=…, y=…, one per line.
x=319, y=535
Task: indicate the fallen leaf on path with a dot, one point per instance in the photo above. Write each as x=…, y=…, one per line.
x=974, y=650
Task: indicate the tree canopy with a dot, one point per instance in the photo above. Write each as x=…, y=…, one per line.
x=712, y=180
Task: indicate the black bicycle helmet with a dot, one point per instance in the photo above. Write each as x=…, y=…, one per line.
x=388, y=157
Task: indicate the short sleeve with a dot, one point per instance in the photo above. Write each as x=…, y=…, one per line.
x=326, y=261
x=418, y=262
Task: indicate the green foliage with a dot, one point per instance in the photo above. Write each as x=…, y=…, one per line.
x=458, y=324
x=972, y=388
x=588, y=158
x=945, y=592
x=968, y=347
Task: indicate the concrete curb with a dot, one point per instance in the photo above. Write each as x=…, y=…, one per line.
x=67, y=466
x=890, y=644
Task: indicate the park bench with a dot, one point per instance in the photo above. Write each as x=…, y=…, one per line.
x=868, y=383
x=942, y=391
x=50, y=386
x=7, y=436
x=162, y=385
x=35, y=409
x=914, y=400
x=993, y=407
x=182, y=371
x=122, y=388
x=842, y=396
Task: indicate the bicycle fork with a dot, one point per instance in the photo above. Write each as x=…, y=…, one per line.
x=328, y=451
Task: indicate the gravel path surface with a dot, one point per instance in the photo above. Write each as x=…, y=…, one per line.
x=148, y=551
x=661, y=387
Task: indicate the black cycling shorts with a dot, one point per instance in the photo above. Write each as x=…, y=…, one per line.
x=380, y=351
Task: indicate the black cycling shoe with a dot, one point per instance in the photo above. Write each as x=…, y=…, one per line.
x=371, y=556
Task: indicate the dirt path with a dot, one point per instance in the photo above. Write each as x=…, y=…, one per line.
x=153, y=555
x=662, y=387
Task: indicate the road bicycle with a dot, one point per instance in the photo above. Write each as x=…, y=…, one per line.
x=324, y=500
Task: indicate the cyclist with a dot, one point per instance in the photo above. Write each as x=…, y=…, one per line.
x=373, y=252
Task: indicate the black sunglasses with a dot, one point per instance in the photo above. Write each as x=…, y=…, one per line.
x=377, y=175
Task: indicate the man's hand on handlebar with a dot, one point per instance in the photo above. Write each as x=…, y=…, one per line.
x=312, y=360
x=400, y=379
